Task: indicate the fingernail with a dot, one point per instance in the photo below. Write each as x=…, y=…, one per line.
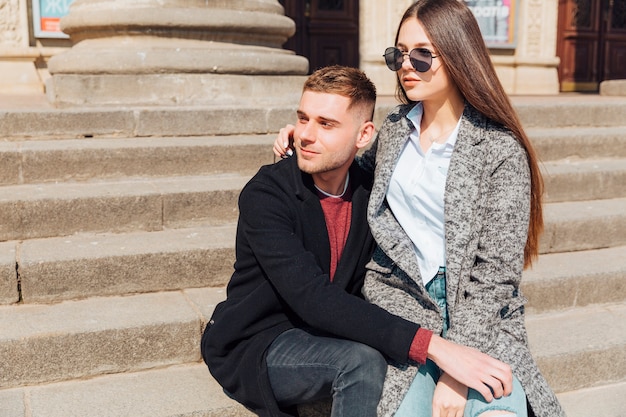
x=289, y=152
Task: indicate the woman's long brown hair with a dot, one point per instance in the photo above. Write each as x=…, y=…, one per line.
x=456, y=37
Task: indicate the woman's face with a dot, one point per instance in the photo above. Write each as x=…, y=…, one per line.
x=434, y=84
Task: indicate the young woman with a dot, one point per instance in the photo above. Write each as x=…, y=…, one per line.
x=456, y=213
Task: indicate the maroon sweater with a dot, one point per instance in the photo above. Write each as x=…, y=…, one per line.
x=337, y=212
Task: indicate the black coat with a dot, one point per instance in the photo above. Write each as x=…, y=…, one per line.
x=281, y=281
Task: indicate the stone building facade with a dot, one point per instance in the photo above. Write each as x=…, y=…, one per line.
x=530, y=67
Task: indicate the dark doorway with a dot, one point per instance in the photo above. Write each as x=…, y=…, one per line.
x=327, y=31
x=591, y=43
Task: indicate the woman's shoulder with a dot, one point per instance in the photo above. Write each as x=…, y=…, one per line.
x=490, y=134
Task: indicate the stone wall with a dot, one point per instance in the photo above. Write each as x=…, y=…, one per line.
x=530, y=68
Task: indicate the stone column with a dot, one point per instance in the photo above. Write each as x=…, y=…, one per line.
x=168, y=52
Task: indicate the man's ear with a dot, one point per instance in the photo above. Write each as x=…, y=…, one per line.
x=366, y=134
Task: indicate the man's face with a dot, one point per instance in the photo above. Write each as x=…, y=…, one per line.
x=326, y=133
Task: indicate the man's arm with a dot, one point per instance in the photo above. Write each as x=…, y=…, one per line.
x=272, y=231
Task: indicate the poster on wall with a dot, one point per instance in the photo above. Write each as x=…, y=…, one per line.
x=47, y=16
x=497, y=20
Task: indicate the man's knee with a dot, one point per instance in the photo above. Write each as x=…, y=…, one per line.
x=367, y=361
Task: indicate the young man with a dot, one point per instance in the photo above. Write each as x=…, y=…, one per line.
x=294, y=327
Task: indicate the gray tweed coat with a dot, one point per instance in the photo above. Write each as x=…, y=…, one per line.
x=487, y=206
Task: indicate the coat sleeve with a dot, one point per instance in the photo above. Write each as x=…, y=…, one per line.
x=489, y=293
x=270, y=228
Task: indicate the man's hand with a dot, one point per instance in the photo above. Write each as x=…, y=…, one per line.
x=284, y=142
x=472, y=368
x=449, y=398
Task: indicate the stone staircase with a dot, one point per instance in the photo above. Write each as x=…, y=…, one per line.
x=117, y=239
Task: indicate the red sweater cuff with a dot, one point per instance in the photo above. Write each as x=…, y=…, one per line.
x=419, y=346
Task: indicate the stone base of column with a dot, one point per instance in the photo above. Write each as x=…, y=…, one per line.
x=173, y=89
x=176, y=52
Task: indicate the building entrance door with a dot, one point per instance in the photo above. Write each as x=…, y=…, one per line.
x=591, y=43
x=327, y=31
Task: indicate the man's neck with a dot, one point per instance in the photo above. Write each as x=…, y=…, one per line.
x=333, y=183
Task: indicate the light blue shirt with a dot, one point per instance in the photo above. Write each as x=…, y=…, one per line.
x=415, y=195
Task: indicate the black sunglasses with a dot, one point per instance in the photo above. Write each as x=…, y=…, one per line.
x=421, y=58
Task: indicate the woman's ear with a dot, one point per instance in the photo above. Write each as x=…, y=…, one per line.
x=366, y=134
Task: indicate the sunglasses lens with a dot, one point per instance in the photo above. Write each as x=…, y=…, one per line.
x=393, y=58
x=421, y=59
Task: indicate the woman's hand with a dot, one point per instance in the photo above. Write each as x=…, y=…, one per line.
x=449, y=398
x=283, y=145
x=474, y=369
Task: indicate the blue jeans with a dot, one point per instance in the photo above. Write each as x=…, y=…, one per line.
x=305, y=367
x=418, y=401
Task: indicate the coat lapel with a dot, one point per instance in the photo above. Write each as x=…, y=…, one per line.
x=462, y=200
x=388, y=233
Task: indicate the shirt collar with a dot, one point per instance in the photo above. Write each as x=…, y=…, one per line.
x=415, y=117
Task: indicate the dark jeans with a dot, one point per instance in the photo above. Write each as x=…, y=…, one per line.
x=304, y=367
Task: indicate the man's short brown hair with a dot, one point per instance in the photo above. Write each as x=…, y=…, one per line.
x=348, y=82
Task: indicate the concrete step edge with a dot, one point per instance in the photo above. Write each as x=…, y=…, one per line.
x=186, y=390
x=196, y=121
x=584, y=225
x=578, y=142
x=575, y=279
x=56, y=269
x=580, y=347
x=32, y=162
x=144, y=121
x=51, y=210
x=102, y=335
x=604, y=400
x=588, y=179
x=189, y=391
x=570, y=112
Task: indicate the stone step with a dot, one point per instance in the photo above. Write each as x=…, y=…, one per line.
x=32, y=162
x=101, y=335
x=579, y=142
x=589, y=179
x=36, y=123
x=111, y=335
x=583, y=225
x=129, y=122
x=79, y=266
x=85, y=265
x=35, y=162
x=189, y=391
x=605, y=400
x=50, y=210
x=177, y=391
x=124, y=205
x=580, y=348
x=569, y=111
x=575, y=279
